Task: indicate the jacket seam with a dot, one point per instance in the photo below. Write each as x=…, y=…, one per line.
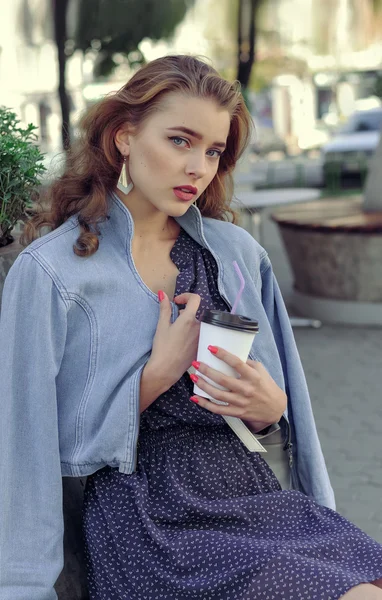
x=85, y=464
x=95, y=462
x=67, y=296
x=199, y=222
x=133, y=429
x=263, y=255
x=126, y=218
x=86, y=469
x=267, y=267
x=129, y=257
x=82, y=405
x=52, y=235
x=49, y=271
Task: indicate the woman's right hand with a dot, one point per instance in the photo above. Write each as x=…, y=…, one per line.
x=174, y=348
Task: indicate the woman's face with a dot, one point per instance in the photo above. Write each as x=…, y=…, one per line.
x=175, y=154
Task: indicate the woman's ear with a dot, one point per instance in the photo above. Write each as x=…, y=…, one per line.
x=122, y=141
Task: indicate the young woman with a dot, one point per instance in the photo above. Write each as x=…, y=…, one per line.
x=100, y=325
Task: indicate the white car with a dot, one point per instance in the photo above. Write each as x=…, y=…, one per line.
x=350, y=149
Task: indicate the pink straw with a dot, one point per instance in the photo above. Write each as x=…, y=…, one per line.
x=242, y=286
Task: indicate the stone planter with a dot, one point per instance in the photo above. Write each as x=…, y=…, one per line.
x=335, y=254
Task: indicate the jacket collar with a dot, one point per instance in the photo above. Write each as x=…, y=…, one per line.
x=121, y=222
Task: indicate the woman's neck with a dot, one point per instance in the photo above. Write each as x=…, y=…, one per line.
x=149, y=223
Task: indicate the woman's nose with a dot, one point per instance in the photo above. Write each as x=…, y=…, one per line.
x=196, y=167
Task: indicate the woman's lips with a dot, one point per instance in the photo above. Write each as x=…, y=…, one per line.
x=185, y=193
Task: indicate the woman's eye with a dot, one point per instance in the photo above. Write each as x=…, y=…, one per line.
x=178, y=141
x=214, y=153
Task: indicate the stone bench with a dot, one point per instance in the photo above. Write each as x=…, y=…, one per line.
x=335, y=252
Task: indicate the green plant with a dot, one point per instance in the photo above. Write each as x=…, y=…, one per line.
x=20, y=168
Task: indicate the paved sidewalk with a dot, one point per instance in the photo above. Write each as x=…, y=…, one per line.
x=344, y=374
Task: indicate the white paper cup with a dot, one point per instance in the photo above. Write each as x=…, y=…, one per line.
x=233, y=333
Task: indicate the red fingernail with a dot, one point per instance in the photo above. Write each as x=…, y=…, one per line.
x=212, y=349
x=160, y=295
x=194, y=399
x=194, y=377
x=196, y=364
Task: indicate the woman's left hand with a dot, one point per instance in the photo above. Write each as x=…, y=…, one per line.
x=254, y=397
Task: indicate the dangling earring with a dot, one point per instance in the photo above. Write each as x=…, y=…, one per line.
x=123, y=183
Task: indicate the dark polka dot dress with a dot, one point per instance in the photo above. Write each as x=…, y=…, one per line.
x=204, y=519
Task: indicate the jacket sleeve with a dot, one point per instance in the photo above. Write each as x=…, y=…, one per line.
x=32, y=341
x=307, y=451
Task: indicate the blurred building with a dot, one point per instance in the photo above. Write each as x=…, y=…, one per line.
x=29, y=72
x=316, y=60
x=329, y=59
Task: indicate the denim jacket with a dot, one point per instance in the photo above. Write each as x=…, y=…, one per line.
x=75, y=335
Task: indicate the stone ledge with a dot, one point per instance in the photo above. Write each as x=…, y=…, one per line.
x=339, y=266
x=329, y=215
x=337, y=311
x=334, y=249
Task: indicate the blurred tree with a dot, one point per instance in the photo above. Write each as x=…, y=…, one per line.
x=34, y=21
x=219, y=28
x=47, y=19
x=59, y=12
x=116, y=27
x=246, y=39
x=108, y=28
x=377, y=6
x=234, y=47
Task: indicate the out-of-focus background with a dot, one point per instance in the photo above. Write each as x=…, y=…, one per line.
x=311, y=70
x=309, y=187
